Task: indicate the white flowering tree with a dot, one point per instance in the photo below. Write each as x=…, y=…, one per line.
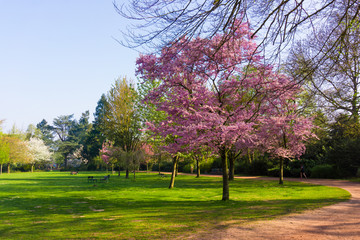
x=39, y=152
x=75, y=159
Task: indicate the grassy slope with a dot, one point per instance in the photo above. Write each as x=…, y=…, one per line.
x=60, y=206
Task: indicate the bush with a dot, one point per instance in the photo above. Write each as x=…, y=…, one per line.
x=91, y=167
x=206, y=166
x=258, y=166
x=165, y=166
x=20, y=168
x=324, y=171
x=187, y=168
x=296, y=164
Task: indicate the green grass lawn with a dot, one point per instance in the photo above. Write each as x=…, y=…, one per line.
x=57, y=205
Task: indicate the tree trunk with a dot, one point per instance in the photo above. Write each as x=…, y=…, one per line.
x=172, y=181
x=112, y=169
x=281, y=179
x=231, y=166
x=119, y=171
x=159, y=160
x=1, y=168
x=354, y=102
x=176, y=170
x=224, y=164
x=8, y=168
x=197, y=168
x=147, y=167
x=32, y=168
x=134, y=174
x=127, y=173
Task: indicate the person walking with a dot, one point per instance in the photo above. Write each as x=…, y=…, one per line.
x=302, y=172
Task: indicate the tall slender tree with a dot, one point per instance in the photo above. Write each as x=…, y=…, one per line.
x=46, y=132
x=65, y=145
x=96, y=137
x=122, y=120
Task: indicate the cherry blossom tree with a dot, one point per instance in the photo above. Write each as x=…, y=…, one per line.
x=148, y=154
x=218, y=97
x=284, y=134
x=116, y=155
x=107, y=154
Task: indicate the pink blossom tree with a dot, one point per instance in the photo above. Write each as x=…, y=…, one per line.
x=111, y=154
x=148, y=154
x=214, y=93
x=108, y=154
x=283, y=135
x=105, y=152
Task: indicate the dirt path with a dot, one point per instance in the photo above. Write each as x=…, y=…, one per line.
x=338, y=221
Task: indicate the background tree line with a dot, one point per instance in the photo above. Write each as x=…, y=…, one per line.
x=80, y=144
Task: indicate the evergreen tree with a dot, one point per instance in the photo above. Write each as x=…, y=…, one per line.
x=46, y=133
x=95, y=137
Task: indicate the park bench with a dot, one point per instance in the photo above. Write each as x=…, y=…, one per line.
x=91, y=179
x=162, y=175
x=216, y=171
x=106, y=178
x=74, y=173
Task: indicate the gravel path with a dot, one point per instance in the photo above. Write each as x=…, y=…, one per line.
x=338, y=221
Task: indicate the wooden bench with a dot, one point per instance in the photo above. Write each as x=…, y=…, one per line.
x=74, y=173
x=106, y=178
x=91, y=179
x=216, y=171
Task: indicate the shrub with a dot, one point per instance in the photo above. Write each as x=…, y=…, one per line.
x=295, y=165
x=165, y=166
x=324, y=171
x=187, y=168
x=259, y=165
x=206, y=166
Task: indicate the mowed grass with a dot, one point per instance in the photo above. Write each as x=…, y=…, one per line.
x=57, y=205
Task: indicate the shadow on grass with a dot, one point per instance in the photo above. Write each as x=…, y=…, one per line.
x=41, y=216
x=63, y=206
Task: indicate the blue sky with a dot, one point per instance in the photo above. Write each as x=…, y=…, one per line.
x=57, y=57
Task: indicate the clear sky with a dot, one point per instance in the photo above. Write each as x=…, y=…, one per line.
x=57, y=57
